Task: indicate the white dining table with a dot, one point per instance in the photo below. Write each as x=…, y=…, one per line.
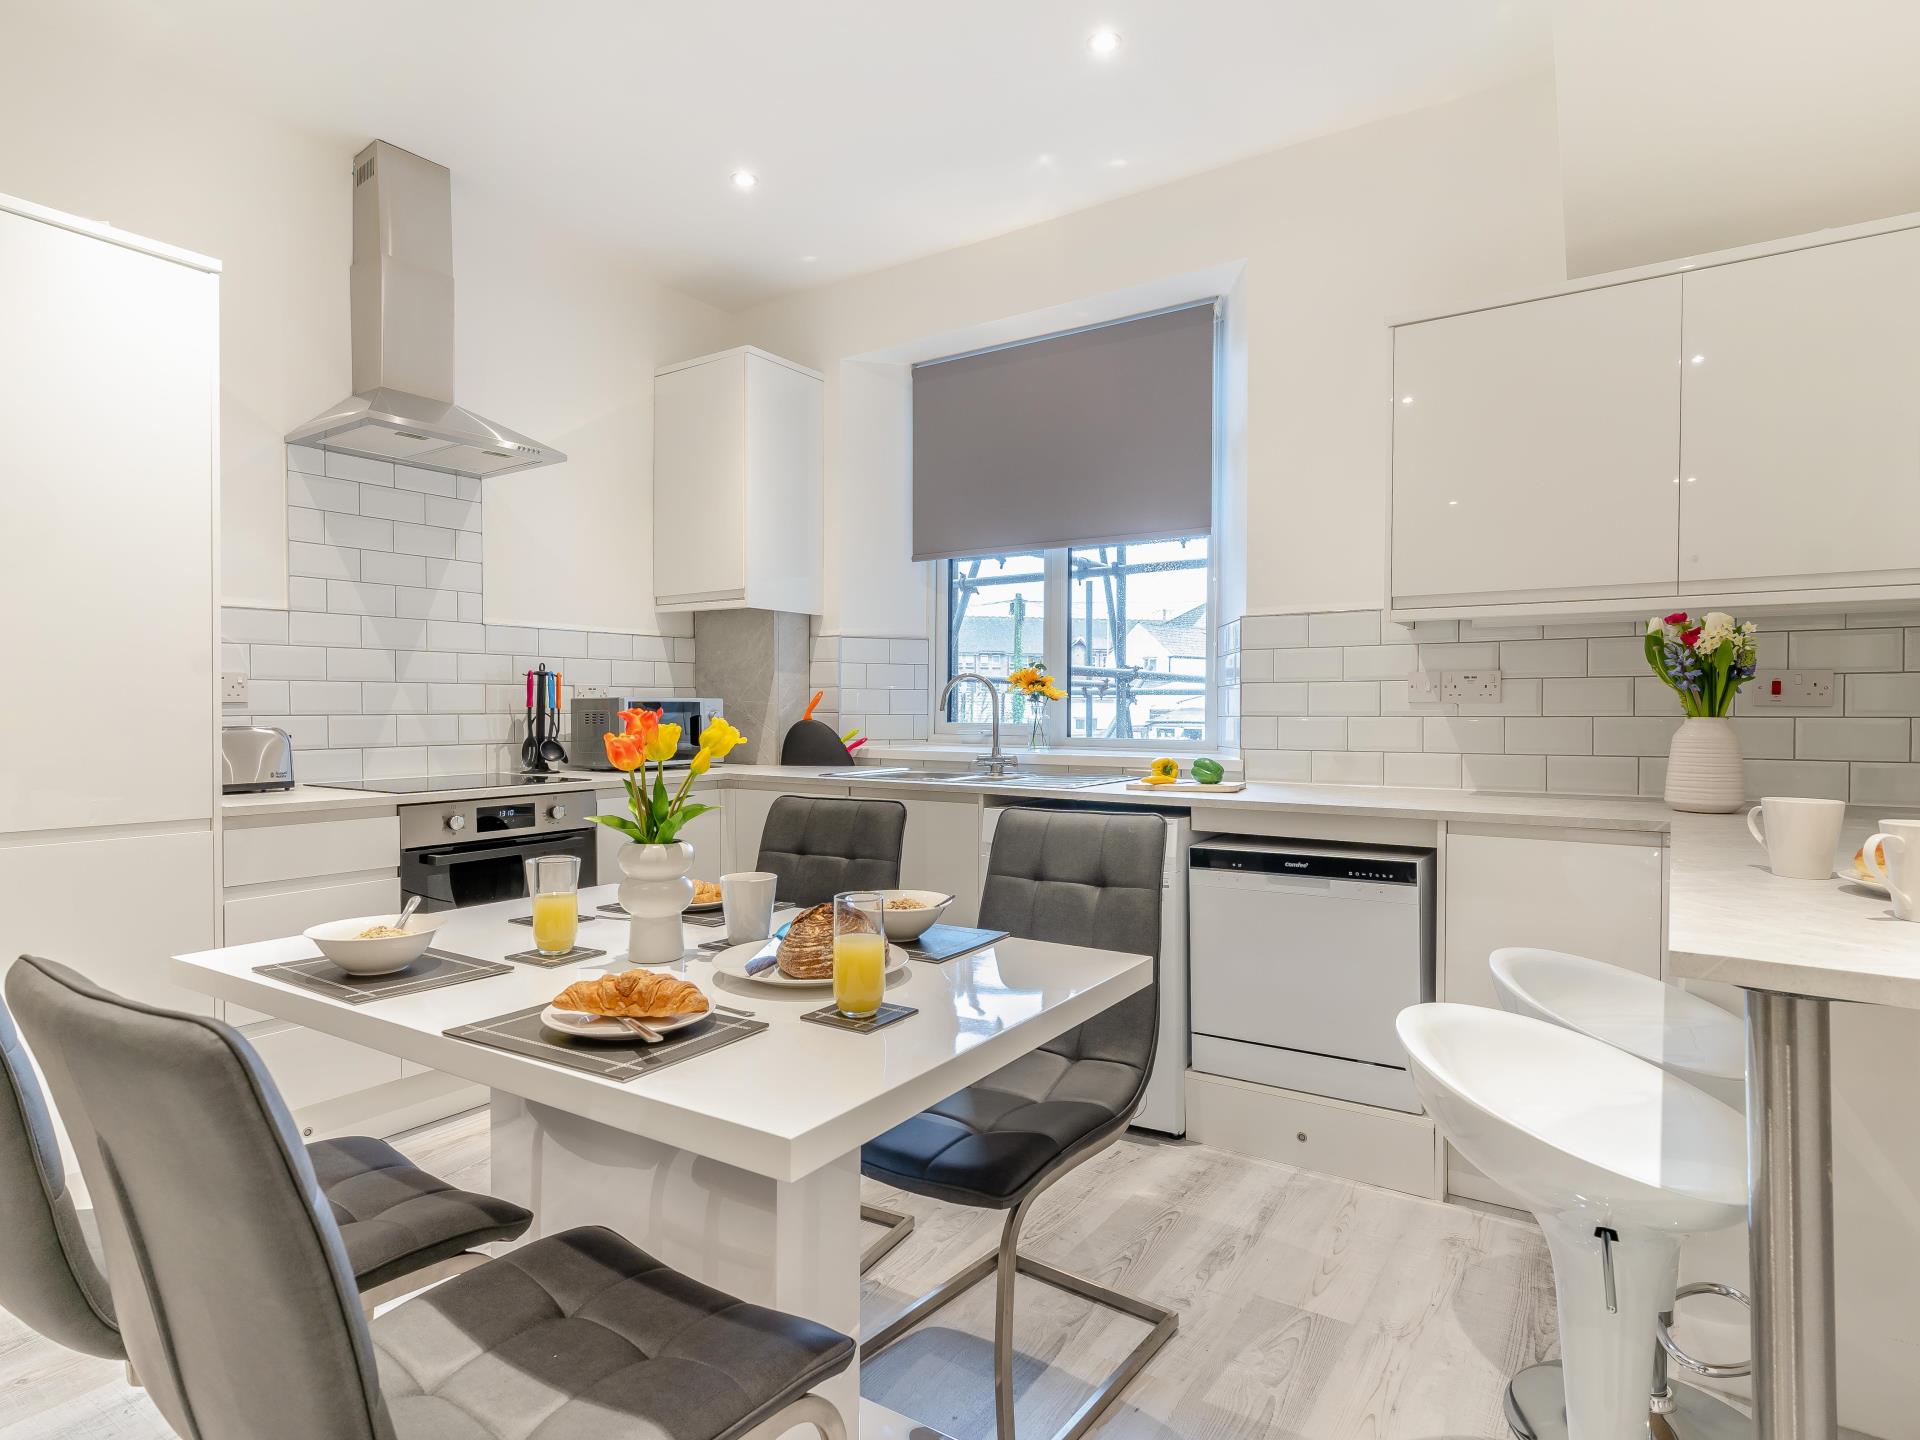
x=739, y=1166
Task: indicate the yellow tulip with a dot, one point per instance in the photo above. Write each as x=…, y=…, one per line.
x=664, y=743
x=720, y=737
x=701, y=761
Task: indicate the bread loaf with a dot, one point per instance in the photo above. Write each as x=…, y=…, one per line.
x=807, y=951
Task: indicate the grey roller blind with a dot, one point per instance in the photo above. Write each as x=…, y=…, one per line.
x=1093, y=437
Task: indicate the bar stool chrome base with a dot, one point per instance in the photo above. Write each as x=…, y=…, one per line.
x=1537, y=1410
x=899, y=1226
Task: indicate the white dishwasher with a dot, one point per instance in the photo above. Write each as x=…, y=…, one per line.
x=1301, y=954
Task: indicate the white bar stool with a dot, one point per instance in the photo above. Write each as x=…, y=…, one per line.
x=1616, y=1159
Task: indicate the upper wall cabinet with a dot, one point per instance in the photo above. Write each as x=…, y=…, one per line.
x=1744, y=430
x=1533, y=449
x=737, y=484
x=1801, y=451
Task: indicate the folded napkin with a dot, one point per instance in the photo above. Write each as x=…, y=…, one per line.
x=765, y=960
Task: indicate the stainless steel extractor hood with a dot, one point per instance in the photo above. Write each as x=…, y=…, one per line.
x=402, y=403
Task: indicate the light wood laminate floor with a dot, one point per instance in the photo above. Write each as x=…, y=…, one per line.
x=1310, y=1309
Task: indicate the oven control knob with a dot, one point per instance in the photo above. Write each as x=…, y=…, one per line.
x=456, y=822
x=558, y=812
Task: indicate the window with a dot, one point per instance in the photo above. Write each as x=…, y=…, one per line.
x=1123, y=628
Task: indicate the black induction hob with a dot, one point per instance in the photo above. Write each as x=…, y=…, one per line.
x=432, y=784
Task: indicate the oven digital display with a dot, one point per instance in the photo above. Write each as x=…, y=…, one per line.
x=490, y=819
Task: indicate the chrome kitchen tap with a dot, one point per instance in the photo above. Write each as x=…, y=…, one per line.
x=993, y=762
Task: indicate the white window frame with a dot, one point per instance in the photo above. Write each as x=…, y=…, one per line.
x=1056, y=630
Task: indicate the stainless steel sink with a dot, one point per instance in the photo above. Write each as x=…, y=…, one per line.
x=1037, y=779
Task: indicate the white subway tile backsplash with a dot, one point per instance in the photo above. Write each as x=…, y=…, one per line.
x=1634, y=734
x=456, y=759
x=1549, y=735
x=307, y=525
x=472, y=610
x=308, y=732
x=901, y=652
x=428, y=730
x=658, y=648
x=423, y=540
x=306, y=593
x=350, y=732
x=1344, y=627
x=1343, y=697
x=324, y=697
x=456, y=697
x=1268, y=632
x=288, y=662
x=1522, y=773
x=1382, y=732
x=1302, y=664
x=315, y=492
x=400, y=762
x=1459, y=657
x=1518, y=696
x=307, y=459
x=1319, y=733
x=1587, y=630
x=401, y=698
x=359, y=532
x=357, y=467
x=862, y=649
x=384, y=568
x=453, y=635
x=498, y=670
x=1256, y=666
x=392, y=632
x=489, y=729
x=1816, y=779
x=1259, y=732
x=267, y=695
x=1883, y=694
x=467, y=487
x=1849, y=650
x=1424, y=771
x=323, y=562
x=1617, y=657
x=393, y=504
x=1611, y=695
x=453, y=514
x=359, y=664
x=1818, y=739
x=457, y=575
x=563, y=644
x=320, y=628
x=427, y=482
x=468, y=546
x=1543, y=657
x=1279, y=766
x=1379, y=662
x=1346, y=767
x=346, y=598
x=1593, y=775
x=1765, y=738
x=603, y=646
x=1881, y=784
x=1497, y=630
x=512, y=639
x=426, y=604
x=1274, y=698
x=317, y=767
x=1452, y=734
x=1653, y=696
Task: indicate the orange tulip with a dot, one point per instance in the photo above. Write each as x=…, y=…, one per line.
x=641, y=723
x=625, y=752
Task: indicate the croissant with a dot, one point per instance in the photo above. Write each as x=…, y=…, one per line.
x=705, y=892
x=639, y=993
x=1864, y=868
x=807, y=951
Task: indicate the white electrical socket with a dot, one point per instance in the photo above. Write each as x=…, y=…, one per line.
x=233, y=687
x=1470, y=687
x=1790, y=689
x=1423, y=687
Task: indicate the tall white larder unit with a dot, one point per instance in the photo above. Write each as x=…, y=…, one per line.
x=109, y=394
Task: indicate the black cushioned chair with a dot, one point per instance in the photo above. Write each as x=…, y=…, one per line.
x=398, y=1222
x=820, y=847
x=236, y=1300
x=1074, y=877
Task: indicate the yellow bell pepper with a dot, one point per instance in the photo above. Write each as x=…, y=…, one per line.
x=1164, y=771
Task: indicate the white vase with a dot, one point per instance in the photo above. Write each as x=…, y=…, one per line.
x=655, y=893
x=1704, y=770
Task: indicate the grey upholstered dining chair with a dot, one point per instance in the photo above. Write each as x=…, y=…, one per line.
x=401, y=1226
x=1075, y=877
x=820, y=847
x=236, y=1302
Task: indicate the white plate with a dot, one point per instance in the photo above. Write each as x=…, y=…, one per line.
x=733, y=961
x=706, y=908
x=606, y=1027
x=1879, y=887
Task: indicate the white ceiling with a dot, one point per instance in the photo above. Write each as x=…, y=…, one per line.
x=880, y=129
x=1686, y=128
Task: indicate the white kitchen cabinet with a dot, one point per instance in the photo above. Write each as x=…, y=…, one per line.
x=1801, y=456
x=1534, y=448
x=1599, y=895
x=738, y=500
x=288, y=848
x=109, y=368
x=941, y=851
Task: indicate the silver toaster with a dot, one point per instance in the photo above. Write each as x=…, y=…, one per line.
x=255, y=757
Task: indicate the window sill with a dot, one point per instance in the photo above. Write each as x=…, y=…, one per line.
x=1065, y=757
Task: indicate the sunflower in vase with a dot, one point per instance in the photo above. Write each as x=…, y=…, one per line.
x=1033, y=682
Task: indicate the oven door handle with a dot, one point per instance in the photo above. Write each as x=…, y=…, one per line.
x=493, y=852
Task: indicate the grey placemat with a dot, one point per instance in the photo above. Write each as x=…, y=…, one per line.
x=528, y=919
x=553, y=962
x=708, y=918
x=948, y=942
x=434, y=970
x=886, y=1015
x=521, y=1032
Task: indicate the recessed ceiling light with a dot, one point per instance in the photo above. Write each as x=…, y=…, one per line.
x=1117, y=163
x=808, y=259
x=745, y=179
x=1699, y=359
x=1104, y=42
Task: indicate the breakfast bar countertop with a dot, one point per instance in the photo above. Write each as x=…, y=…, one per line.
x=1733, y=920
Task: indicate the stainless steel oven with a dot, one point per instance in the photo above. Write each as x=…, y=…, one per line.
x=473, y=852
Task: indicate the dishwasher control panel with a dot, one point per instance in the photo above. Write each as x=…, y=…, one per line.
x=1368, y=865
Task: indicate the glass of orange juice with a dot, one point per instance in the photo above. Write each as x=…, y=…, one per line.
x=553, y=883
x=859, y=953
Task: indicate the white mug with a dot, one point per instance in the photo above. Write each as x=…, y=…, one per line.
x=1800, y=835
x=746, y=899
x=1901, y=872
